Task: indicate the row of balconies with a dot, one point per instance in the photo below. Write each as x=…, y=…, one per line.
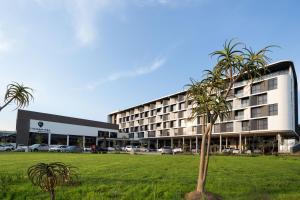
x=255, y=124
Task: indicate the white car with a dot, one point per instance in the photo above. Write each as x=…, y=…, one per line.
x=128, y=148
x=57, y=148
x=227, y=150
x=177, y=150
x=159, y=150
x=235, y=151
x=111, y=149
x=21, y=148
x=6, y=147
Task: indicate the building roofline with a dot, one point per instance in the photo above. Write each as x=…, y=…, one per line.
x=182, y=92
x=27, y=114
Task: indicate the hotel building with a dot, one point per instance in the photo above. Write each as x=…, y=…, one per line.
x=265, y=109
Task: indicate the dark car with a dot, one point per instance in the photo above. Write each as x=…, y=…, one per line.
x=73, y=149
x=99, y=149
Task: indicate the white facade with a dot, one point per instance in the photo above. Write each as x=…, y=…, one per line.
x=64, y=129
x=271, y=108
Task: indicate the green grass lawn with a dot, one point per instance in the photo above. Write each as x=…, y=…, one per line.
x=122, y=176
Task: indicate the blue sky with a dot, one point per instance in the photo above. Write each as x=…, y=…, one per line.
x=87, y=58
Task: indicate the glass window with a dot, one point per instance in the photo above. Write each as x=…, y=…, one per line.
x=262, y=124
x=141, y=135
x=245, y=102
x=256, y=112
x=245, y=126
x=273, y=109
x=262, y=99
x=229, y=127
x=256, y=88
x=272, y=83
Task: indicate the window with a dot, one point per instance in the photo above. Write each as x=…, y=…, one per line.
x=245, y=126
x=229, y=127
x=256, y=112
x=152, y=113
x=171, y=124
x=113, y=135
x=131, y=135
x=166, y=109
x=245, y=102
x=239, y=114
x=273, y=109
x=181, y=123
x=262, y=99
x=256, y=88
x=172, y=108
x=181, y=106
x=262, y=124
x=151, y=134
x=239, y=91
x=141, y=135
x=272, y=84
x=103, y=134
x=217, y=128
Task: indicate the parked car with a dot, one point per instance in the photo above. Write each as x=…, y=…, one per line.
x=248, y=152
x=118, y=148
x=111, y=149
x=73, y=149
x=21, y=148
x=128, y=148
x=257, y=151
x=144, y=149
x=166, y=150
x=6, y=147
x=177, y=150
x=235, y=151
x=57, y=148
x=99, y=149
x=87, y=149
x=227, y=150
x=39, y=147
x=160, y=149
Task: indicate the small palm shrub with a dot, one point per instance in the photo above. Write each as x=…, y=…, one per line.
x=48, y=176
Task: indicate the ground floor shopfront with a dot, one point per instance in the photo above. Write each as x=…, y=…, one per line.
x=74, y=140
x=269, y=142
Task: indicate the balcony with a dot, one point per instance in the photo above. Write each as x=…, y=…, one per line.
x=151, y=133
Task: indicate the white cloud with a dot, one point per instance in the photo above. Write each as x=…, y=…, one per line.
x=156, y=64
x=86, y=15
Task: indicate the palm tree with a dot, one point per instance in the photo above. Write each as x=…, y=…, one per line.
x=19, y=94
x=209, y=96
x=48, y=176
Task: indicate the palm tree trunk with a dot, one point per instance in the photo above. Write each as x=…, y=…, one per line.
x=6, y=104
x=201, y=175
x=200, y=187
x=207, y=157
x=52, y=195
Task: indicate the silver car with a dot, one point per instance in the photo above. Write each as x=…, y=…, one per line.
x=39, y=147
x=166, y=150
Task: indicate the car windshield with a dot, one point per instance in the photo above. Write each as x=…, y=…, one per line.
x=35, y=145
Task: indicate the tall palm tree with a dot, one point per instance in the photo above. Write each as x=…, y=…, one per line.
x=48, y=176
x=209, y=96
x=19, y=94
